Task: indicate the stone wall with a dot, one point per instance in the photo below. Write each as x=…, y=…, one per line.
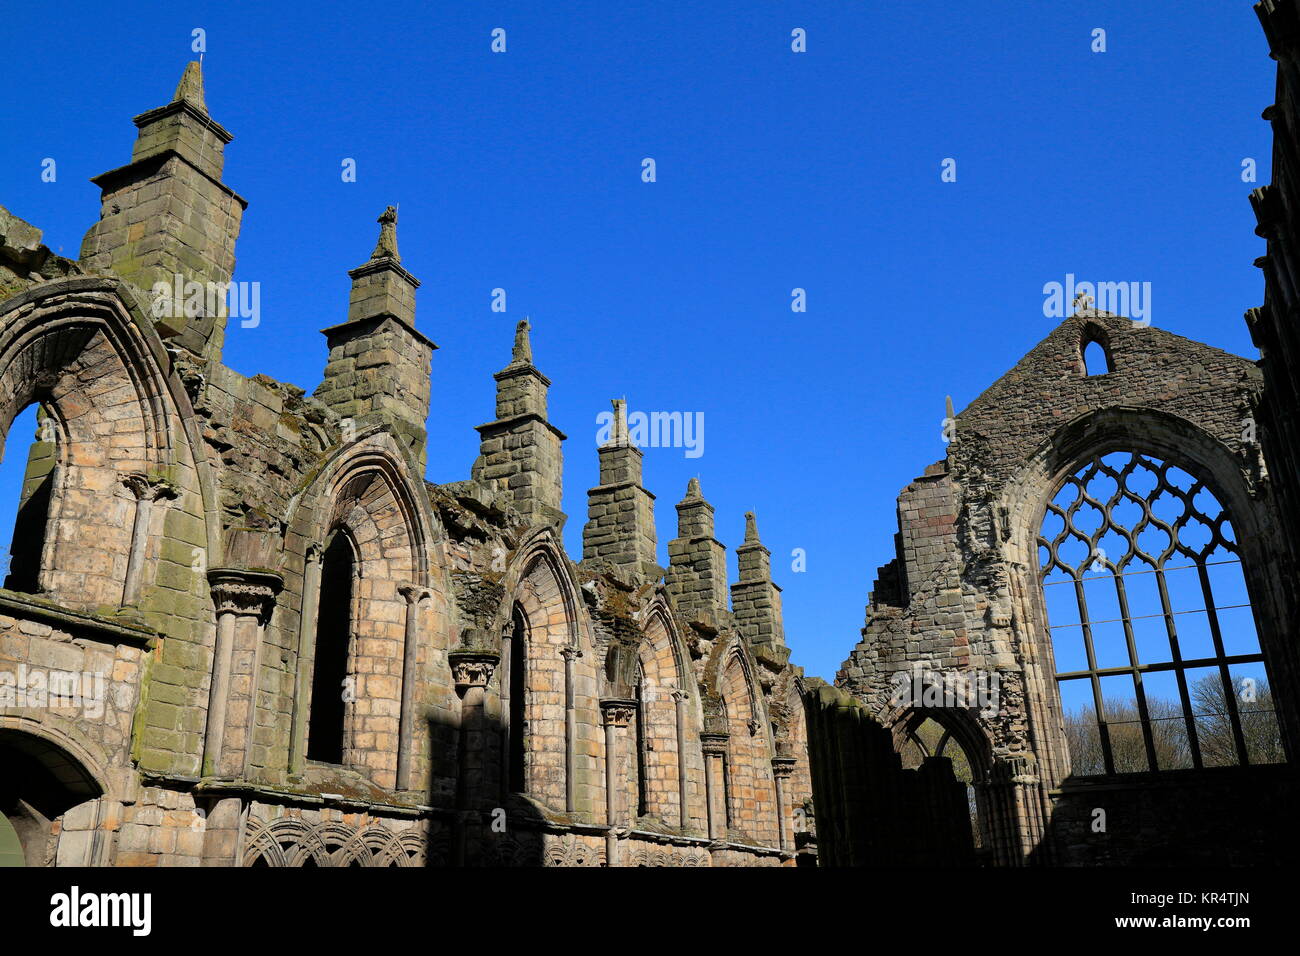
x=963, y=598
x=193, y=511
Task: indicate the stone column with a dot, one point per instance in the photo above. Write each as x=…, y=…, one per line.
x=571, y=654
x=471, y=670
x=680, y=699
x=306, y=660
x=782, y=770
x=1016, y=813
x=244, y=601
x=223, y=833
x=505, y=695
x=146, y=492
x=715, y=752
x=414, y=594
x=617, y=712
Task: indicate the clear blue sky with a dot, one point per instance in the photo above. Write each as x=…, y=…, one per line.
x=775, y=170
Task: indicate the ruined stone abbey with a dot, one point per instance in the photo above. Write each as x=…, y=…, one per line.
x=313, y=656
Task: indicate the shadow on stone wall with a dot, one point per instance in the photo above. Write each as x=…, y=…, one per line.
x=485, y=826
x=1219, y=816
x=869, y=810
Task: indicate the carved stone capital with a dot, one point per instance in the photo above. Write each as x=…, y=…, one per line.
x=679, y=696
x=472, y=668
x=414, y=593
x=782, y=767
x=243, y=592
x=1015, y=769
x=714, y=744
x=570, y=653
x=143, y=488
x=618, y=711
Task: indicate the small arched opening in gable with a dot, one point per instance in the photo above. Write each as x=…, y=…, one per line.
x=1095, y=357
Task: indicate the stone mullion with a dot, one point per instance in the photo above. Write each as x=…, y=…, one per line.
x=782, y=769
x=715, y=752
x=413, y=594
x=1229, y=689
x=1184, y=694
x=1103, y=728
x=617, y=713
x=679, y=712
x=472, y=671
x=244, y=600
x=350, y=718
x=505, y=695
x=571, y=654
x=145, y=492
x=219, y=693
x=307, y=620
x=1017, y=811
x=1144, y=712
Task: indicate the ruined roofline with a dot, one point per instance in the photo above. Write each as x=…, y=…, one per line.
x=1110, y=323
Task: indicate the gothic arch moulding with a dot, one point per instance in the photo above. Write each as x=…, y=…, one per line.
x=1229, y=469
x=559, y=669
x=119, y=420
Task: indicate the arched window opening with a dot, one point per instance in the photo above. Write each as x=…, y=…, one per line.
x=329, y=689
x=642, y=697
x=514, y=705
x=1095, y=359
x=27, y=473
x=729, y=819
x=931, y=741
x=1158, y=663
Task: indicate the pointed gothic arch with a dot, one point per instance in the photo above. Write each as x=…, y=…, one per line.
x=668, y=724
x=78, y=350
x=1228, y=476
x=560, y=734
x=365, y=495
x=750, y=786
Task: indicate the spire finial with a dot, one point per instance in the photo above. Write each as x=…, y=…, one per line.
x=948, y=407
x=619, y=434
x=190, y=88
x=523, y=350
x=1082, y=303
x=751, y=528
x=693, y=488
x=387, y=244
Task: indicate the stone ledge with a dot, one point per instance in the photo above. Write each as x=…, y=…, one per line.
x=98, y=627
x=512, y=420
x=1164, y=779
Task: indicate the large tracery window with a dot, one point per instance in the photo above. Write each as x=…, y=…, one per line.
x=1157, y=658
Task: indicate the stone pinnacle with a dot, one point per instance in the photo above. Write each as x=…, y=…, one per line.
x=523, y=350
x=190, y=88
x=386, y=247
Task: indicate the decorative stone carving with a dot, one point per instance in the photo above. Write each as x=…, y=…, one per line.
x=617, y=711
x=783, y=767
x=472, y=668
x=242, y=592
x=714, y=743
